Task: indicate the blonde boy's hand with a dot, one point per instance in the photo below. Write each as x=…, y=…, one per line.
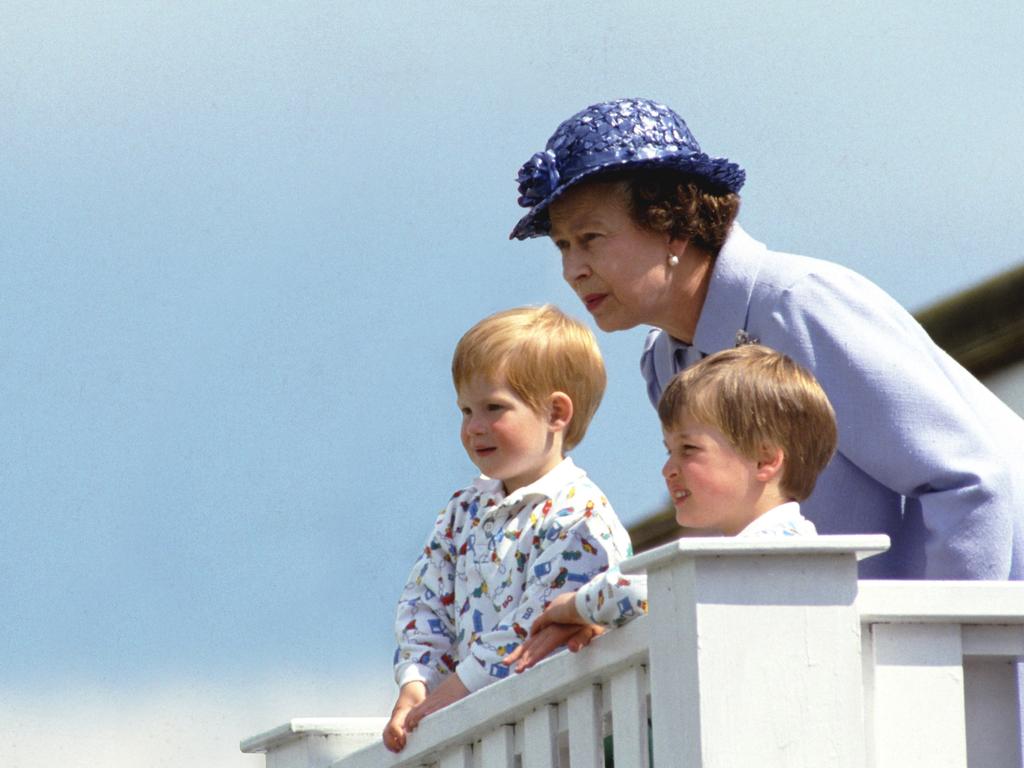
x=394, y=732
x=448, y=692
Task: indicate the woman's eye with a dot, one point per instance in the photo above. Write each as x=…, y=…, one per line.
x=494, y=407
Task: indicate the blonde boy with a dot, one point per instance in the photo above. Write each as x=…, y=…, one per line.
x=532, y=527
x=748, y=431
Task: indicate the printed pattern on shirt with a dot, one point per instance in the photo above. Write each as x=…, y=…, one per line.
x=490, y=566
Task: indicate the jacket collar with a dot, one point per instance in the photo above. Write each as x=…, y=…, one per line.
x=726, y=306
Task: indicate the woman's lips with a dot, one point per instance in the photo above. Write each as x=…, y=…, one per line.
x=485, y=451
x=593, y=300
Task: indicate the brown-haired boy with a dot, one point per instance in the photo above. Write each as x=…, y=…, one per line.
x=748, y=431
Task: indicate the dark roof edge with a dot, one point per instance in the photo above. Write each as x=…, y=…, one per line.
x=982, y=328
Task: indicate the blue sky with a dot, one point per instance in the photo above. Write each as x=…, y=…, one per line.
x=240, y=240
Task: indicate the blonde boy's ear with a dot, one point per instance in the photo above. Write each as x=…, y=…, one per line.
x=559, y=410
x=770, y=461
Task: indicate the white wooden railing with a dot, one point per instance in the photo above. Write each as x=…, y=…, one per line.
x=754, y=653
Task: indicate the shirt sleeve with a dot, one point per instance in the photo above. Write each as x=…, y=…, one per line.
x=612, y=599
x=910, y=418
x=425, y=619
x=575, y=543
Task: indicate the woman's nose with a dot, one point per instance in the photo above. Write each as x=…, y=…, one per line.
x=574, y=266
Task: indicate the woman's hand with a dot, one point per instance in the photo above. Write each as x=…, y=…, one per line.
x=448, y=692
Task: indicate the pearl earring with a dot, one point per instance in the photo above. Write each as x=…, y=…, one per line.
x=673, y=260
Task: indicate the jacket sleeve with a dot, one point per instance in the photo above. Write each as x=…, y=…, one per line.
x=425, y=619
x=910, y=417
x=572, y=545
x=612, y=599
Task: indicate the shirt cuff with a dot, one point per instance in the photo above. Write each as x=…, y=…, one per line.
x=586, y=598
x=474, y=676
x=409, y=673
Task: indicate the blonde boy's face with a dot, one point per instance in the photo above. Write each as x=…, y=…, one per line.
x=505, y=438
x=710, y=484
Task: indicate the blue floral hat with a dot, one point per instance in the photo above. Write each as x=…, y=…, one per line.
x=614, y=134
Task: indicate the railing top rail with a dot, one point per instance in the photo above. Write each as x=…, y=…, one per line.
x=512, y=698
x=960, y=602
x=659, y=557
x=295, y=727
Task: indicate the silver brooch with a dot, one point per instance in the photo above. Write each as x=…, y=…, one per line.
x=743, y=338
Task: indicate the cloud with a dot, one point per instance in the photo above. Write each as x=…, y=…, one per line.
x=195, y=723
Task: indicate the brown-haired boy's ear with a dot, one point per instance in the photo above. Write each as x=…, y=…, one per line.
x=559, y=410
x=770, y=460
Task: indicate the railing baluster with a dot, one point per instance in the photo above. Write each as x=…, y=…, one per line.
x=586, y=749
x=498, y=748
x=540, y=742
x=629, y=717
x=457, y=757
x=867, y=655
x=993, y=712
x=918, y=702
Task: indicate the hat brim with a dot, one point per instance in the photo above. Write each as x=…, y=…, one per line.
x=720, y=175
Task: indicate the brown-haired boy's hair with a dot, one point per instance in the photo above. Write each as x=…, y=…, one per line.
x=539, y=351
x=758, y=397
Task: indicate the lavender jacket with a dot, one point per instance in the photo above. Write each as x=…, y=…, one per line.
x=926, y=453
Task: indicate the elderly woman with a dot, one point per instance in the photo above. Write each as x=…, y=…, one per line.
x=645, y=224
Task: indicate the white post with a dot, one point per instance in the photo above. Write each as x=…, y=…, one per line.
x=992, y=704
x=585, y=747
x=629, y=717
x=540, y=738
x=497, y=748
x=755, y=651
x=459, y=756
x=918, y=696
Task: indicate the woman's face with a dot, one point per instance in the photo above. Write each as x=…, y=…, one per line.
x=621, y=271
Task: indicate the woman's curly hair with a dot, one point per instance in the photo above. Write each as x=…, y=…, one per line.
x=663, y=200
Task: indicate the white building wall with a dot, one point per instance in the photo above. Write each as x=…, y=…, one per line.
x=1008, y=384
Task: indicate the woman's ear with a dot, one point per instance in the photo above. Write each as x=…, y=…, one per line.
x=678, y=245
x=770, y=461
x=559, y=410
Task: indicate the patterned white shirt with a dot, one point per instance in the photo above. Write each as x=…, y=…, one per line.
x=491, y=564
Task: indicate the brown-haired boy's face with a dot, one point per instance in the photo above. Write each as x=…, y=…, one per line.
x=710, y=484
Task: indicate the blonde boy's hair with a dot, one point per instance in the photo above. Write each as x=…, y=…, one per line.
x=539, y=351
x=758, y=397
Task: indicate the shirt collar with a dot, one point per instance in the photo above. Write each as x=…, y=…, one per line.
x=776, y=517
x=547, y=486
